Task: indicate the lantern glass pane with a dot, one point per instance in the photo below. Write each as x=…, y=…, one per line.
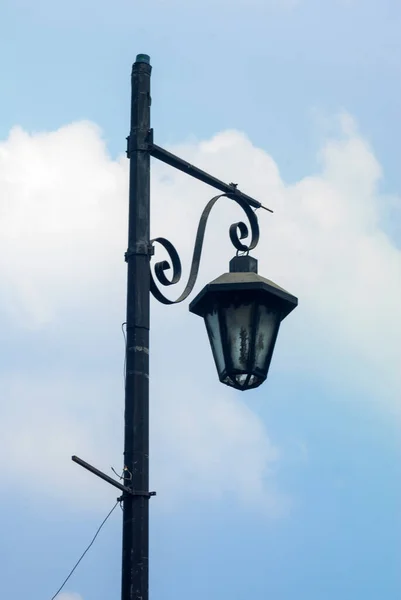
x=213, y=329
x=241, y=379
x=265, y=335
x=253, y=380
x=238, y=320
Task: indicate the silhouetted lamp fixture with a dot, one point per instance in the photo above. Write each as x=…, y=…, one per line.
x=242, y=313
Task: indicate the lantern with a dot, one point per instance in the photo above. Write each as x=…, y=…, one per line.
x=243, y=312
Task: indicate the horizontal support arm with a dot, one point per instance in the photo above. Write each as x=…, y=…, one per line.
x=110, y=480
x=186, y=167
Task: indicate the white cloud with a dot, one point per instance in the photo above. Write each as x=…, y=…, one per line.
x=68, y=596
x=62, y=238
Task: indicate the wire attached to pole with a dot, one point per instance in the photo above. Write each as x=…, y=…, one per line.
x=83, y=554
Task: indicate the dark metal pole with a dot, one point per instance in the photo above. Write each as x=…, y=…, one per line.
x=135, y=558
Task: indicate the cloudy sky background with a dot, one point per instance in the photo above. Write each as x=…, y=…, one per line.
x=292, y=490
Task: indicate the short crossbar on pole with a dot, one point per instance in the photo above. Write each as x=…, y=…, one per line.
x=110, y=480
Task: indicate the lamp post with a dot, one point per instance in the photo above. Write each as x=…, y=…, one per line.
x=242, y=313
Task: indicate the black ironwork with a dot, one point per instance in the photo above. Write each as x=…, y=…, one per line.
x=243, y=312
x=135, y=550
x=182, y=165
x=110, y=480
x=238, y=231
x=140, y=283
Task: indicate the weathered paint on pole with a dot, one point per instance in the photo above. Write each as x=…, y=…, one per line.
x=135, y=555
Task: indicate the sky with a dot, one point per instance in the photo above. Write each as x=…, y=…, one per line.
x=288, y=491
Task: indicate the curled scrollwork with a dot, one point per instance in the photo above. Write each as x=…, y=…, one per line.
x=238, y=231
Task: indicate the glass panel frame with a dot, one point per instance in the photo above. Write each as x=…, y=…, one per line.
x=212, y=322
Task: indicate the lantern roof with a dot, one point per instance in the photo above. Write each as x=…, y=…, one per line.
x=243, y=282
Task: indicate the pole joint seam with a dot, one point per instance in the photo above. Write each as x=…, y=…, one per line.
x=143, y=146
x=140, y=249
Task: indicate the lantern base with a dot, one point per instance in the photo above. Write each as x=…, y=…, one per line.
x=242, y=381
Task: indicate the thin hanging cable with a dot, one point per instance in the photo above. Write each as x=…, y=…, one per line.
x=83, y=554
x=115, y=473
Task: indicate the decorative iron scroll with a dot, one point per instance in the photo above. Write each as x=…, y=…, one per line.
x=238, y=231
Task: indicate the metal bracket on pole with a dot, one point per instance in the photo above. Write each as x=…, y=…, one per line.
x=140, y=249
x=110, y=480
x=182, y=165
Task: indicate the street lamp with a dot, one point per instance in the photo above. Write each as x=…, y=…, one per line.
x=242, y=312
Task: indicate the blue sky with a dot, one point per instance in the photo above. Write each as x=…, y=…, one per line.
x=292, y=490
